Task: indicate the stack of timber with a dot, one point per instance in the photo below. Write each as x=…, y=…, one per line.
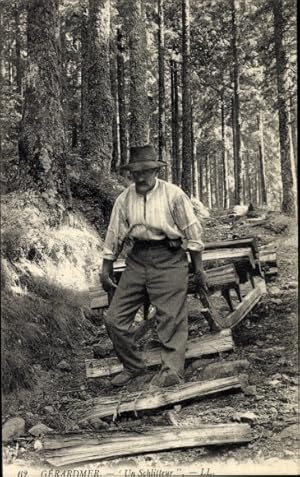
x=219, y=278
x=240, y=256
x=197, y=347
x=150, y=399
x=77, y=448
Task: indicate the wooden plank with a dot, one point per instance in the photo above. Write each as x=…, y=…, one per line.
x=237, y=243
x=233, y=255
x=249, y=301
x=110, y=405
x=205, y=345
x=113, y=445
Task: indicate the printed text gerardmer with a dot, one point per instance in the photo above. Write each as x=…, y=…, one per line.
x=97, y=473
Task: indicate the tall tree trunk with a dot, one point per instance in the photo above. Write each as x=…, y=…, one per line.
x=195, y=178
x=66, y=85
x=173, y=143
x=186, y=101
x=288, y=173
x=201, y=162
x=84, y=81
x=293, y=132
x=195, y=171
x=224, y=155
x=208, y=181
x=114, y=94
x=216, y=180
x=42, y=139
x=248, y=178
x=19, y=72
x=139, y=129
x=261, y=155
x=122, y=99
x=2, y=74
x=258, y=182
x=161, y=84
x=234, y=148
x=176, y=167
x=244, y=188
x=236, y=104
x=255, y=192
x=97, y=124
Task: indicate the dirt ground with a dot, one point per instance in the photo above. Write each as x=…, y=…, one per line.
x=267, y=338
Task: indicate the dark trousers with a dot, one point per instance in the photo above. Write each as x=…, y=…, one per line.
x=163, y=275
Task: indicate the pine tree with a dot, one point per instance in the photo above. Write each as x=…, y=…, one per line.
x=97, y=117
x=186, y=101
x=42, y=140
x=288, y=173
x=139, y=107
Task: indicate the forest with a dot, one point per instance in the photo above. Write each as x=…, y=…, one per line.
x=212, y=84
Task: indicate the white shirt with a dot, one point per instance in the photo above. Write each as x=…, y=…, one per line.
x=164, y=212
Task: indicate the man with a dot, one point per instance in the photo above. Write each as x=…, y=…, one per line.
x=156, y=216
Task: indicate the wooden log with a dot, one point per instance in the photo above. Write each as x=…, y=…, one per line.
x=205, y=345
x=249, y=301
x=113, y=445
x=256, y=221
x=105, y=407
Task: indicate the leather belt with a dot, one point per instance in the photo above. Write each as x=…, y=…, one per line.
x=174, y=244
x=150, y=243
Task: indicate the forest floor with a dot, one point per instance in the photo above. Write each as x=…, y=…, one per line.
x=267, y=338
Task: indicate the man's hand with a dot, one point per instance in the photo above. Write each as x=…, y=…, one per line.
x=106, y=276
x=199, y=273
x=201, y=279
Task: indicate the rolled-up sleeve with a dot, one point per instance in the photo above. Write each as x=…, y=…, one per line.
x=116, y=231
x=188, y=223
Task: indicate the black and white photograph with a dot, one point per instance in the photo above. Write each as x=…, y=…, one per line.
x=149, y=238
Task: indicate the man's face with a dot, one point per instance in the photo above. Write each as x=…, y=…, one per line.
x=144, y=180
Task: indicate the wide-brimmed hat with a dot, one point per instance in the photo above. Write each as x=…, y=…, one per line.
x=143, y=157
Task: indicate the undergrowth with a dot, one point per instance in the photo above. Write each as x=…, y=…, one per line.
x=39, y=328
x=94, y=195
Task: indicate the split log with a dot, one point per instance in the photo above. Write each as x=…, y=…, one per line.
x=248, y=303
x=267, y=258
x=110, y=406
x=256, y=220
x=79, y=449
x=223, y=369
x=268, y=262
x=236, y=243
x=232, y=255
x=197, y=347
